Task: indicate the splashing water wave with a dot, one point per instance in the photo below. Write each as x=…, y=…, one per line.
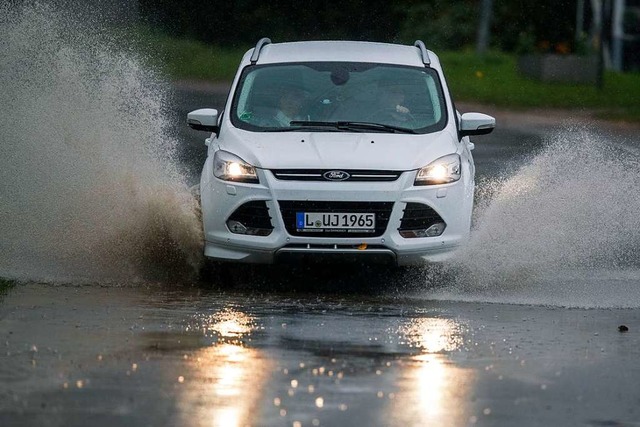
x=90, y=190
x=89, y=186
x=563, y=230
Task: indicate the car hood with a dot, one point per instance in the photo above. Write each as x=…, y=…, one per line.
x=337, y=150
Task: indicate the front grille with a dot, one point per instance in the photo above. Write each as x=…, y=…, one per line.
x=418, y=217
x=289, y=208
x=319, y=175
x=253, y=214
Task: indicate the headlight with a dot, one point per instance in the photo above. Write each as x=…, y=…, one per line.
x=441, y=171
x=230, y=167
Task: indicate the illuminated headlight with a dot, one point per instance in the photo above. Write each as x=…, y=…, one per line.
x=441, y=171
x=230, y=167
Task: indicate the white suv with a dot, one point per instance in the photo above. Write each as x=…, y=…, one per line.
x=337, y=148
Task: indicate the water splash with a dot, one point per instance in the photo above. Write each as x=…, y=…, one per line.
x=89, y=186
x=563, y=230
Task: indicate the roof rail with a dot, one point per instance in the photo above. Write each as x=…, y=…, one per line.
x=256, y=51
x=423, y=51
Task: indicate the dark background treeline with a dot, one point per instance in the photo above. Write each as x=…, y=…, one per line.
x=444, y=24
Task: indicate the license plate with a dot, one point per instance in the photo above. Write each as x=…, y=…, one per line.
x=309, y=221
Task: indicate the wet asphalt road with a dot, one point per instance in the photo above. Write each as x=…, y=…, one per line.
x=312, y=348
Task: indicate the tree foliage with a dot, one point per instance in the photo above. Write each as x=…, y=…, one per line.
x=448, y=24
x=442, y=24
x=245, y=21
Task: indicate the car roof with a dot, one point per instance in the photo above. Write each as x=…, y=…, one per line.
x=341, y=51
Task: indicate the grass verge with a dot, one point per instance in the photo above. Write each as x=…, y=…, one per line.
x=185, y=59
x=493, y=79
x=490, y=79
x=5, y=286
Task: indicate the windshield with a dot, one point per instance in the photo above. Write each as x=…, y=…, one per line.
x=339, y=96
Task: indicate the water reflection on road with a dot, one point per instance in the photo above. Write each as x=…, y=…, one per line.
x=224, y=382
x=189, y=357
x=432, y=390
x=246, y=374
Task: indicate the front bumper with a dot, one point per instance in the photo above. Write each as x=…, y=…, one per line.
x=453, y=202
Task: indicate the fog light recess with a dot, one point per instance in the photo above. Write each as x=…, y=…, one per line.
x=237, y=227
x=435, y=230
x=420, y=220
x=251, y=219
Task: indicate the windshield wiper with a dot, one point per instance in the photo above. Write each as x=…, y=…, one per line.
x=297, y=126
x=312, y=125
x=355, y=126
x=373, y=126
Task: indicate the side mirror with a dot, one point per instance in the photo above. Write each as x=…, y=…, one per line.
x=476, y=124
x=205, y=119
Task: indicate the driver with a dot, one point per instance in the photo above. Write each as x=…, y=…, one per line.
x=290, y=106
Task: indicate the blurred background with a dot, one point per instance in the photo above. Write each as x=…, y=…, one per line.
x=573, y=54
x=582, y=55
x=549, y=26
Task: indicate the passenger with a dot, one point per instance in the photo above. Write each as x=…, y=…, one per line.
x=391, y=108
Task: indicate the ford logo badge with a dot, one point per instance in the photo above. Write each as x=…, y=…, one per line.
x=336, y=175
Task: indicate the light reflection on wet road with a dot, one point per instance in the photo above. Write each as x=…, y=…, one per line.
x=192, y=357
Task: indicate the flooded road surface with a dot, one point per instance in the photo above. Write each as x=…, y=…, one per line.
x=184, y=356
